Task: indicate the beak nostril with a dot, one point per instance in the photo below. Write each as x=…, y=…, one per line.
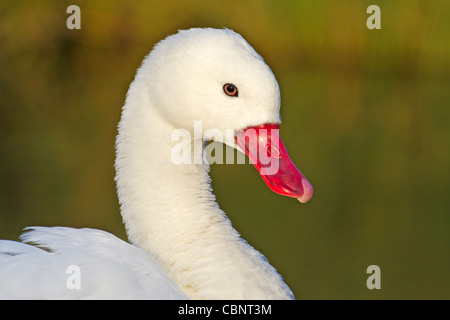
x=273, y=152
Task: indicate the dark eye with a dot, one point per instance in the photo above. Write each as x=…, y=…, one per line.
x=230, y=90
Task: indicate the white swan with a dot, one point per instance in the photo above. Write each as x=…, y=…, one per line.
x=183, y=245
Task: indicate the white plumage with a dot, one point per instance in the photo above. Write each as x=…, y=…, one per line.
x=183, y=245
x=109, y=268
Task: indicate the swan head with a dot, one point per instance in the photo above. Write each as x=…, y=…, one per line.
x=216, y=77
x=192, y=70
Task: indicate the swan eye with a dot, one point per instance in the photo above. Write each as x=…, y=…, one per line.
x=230, y=90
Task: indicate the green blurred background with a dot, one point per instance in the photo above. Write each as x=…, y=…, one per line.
x=366, y=117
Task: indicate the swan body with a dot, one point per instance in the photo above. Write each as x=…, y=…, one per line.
x=182, y=244
x=109, y=268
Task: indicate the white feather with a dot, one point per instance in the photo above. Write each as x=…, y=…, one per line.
x=109, y=267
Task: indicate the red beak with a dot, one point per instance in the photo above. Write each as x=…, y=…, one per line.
x=265, y=149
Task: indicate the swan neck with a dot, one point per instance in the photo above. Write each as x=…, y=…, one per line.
x=169, y=210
